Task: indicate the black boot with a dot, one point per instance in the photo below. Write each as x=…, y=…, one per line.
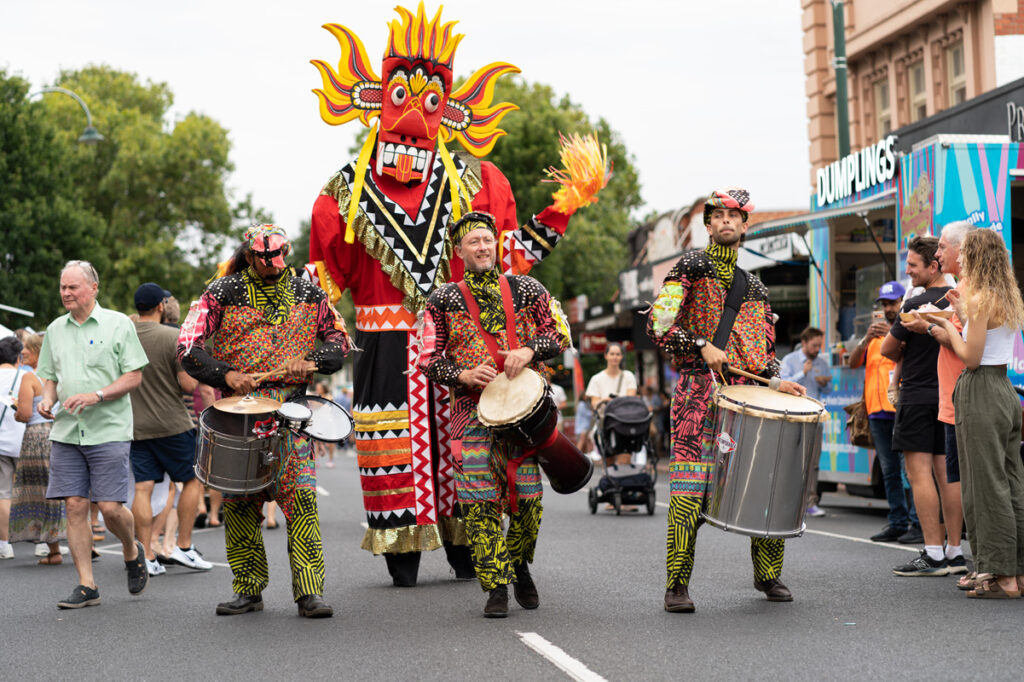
x=460, y=558
x=774, y=588
x=242, y=603
x=497, y=603
x=403, y=568
x=677, y=600
x=314, y=606
x=524, y=589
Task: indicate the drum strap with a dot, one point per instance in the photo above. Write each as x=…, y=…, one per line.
x=733, y=301
x=510, y=319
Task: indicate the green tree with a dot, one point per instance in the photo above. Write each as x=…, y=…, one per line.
x=43, y=218
x=160, y=187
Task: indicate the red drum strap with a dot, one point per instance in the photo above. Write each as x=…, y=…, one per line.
x=513, y=465
x=510, y=319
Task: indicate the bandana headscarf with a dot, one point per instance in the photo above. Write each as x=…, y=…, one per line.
x=729, y=197
x=472, y=221
x=724, y=258
x=269, y=243
x=487, y=291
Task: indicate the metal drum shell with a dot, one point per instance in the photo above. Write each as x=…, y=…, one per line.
x=229, y=458
x=762, y=469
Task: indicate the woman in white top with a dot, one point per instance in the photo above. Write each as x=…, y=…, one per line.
x=14, y=398
x=987, y=413
x=611, y=382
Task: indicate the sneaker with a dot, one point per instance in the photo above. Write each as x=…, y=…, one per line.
x=913, y=536
x=81, y=597
x=154, y=567
x=888, y=534
x=957, y=565
x=7, y=552
x=189, y=558
x=815, y=510
x=923, y=565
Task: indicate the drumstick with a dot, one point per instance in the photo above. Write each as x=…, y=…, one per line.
x=747, y=374
x=262, y=376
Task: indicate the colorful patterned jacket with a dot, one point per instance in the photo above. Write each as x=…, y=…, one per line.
x=690, y=305
x=452, y=341
x=243, y=341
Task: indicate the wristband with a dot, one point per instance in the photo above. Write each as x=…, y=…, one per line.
x=930, y=327
x=774, y=383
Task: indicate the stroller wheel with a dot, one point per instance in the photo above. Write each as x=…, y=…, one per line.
x=617, y=501
x=650, y=502
x=592, y=498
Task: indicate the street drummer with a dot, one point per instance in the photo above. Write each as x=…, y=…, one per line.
x=464, y=345
x=257, y=319
x=691, y=320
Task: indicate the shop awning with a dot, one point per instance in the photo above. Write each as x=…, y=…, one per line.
x=816, y=219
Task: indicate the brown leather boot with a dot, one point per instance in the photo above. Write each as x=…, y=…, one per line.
x=524, y=589
x=497, y=603
x=677, y=600
x=775, y=590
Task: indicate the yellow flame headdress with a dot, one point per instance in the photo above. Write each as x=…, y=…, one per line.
x=354, y=90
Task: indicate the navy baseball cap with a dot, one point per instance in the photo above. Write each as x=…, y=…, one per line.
x=891, y=291
x=149, y=296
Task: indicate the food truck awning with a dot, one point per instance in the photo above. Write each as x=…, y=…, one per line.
x=816, y=219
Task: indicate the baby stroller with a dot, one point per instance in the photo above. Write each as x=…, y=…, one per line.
x=625, y=427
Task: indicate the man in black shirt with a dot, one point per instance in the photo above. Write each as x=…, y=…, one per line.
x=918, y=431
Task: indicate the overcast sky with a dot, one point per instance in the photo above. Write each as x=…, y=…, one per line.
x=704, y=94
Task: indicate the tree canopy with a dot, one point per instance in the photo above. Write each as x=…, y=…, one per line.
x=152, y=197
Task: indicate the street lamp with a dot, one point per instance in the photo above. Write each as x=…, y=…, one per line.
x=90, y=135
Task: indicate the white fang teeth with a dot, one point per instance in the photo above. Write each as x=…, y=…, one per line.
x=389, y=154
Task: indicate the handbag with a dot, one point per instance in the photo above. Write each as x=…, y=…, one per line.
x=858, y=429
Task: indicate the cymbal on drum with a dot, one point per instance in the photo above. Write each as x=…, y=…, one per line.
x=247, y=404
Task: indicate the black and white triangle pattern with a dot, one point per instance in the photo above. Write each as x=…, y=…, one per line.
x=535, y=248
x=436, y=200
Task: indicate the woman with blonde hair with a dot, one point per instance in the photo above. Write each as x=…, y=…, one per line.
x=988, y=414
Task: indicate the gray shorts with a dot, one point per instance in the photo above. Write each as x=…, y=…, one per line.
x=7, y=466
x=97, y=472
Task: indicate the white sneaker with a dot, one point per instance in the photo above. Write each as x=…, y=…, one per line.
x=7, y=552
x=189, y=559
x=815, y=510
x=43, y=550
x=154, y=567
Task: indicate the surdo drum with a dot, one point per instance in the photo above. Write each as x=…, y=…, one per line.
x=237, y=450
x=765, y=444
x=521, y=411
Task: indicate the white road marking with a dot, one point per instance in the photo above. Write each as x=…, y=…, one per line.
x=845, y=537
x=322, y=491
x=563, y=661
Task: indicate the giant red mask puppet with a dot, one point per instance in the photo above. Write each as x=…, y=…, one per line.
x=414, y=100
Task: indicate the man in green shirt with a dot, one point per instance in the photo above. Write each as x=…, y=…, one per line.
x=91, y=358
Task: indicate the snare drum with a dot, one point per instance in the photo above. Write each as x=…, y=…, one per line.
x=765, y=446
x=328, y=422
x=522, y=412
x=236, y=449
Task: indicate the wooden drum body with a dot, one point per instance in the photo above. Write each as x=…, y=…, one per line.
x=765, y=446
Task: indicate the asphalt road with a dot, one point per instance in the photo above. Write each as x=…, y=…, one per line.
x=601, y=581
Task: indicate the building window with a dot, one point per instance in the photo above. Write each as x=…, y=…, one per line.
x=956, y=73
x=918, y=96
x=883, y=112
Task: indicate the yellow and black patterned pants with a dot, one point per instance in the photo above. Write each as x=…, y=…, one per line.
x=248, y=558
x=495, y=554
x=683, y=521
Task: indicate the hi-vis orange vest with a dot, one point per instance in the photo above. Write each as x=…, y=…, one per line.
x=877, y=370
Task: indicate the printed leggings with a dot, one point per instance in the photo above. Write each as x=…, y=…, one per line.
x=495, y=554
x=248, y=558
x=683, y=521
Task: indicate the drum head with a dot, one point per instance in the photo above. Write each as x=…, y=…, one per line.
x=506, y=401
x=768, y=402
x=295, y=412
x=329, y=422
x=246, y=404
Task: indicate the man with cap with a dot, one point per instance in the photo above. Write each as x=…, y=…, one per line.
x=684, y=322
x=878, y=372
x=258, y=318
x=465, y=343
x=164, y=437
